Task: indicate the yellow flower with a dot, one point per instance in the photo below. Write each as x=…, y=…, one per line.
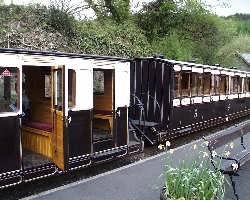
x=161, y=147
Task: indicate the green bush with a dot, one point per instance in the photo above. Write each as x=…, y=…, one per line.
x=173, y=47
x=109, y=38
x=227, y=54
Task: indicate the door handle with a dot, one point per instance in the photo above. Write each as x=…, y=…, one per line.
x=118, y=112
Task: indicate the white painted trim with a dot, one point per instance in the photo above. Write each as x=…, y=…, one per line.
x=13, y=61
x=40, y=60
x=206, y=99
x=243, y=95
x=66, y=92
x=215, y=98
x=185, y=101
x=176, y=102
x=208, y=70
x=197, y=70
x=196, y=100
x=215, y=72
x=248, y=94
x=230, y=73
x=243, y=75
x=177, y=68
x=186, y=68
x=9, y=114
x=237, y=74
x=122, y=85
x=223, y=97
x=232, y=96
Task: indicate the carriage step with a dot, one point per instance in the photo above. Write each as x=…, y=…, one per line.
x=144, y=123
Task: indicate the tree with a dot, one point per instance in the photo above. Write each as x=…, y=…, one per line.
x=118, y=10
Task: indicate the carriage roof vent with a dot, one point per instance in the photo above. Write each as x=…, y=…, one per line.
x=158, y=56
x=192, y=61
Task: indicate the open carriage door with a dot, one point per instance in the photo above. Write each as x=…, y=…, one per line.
x=122, y=98
x=10, y=112
x=80, y=103
x=59, y=146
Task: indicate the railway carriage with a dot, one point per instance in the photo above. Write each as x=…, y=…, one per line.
x=60, y=112
x=176, y=98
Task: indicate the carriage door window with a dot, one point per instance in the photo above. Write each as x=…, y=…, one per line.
x=234, y=85
x=58, y=88
x=194, y=81
x=9, y=89
x=71, y=88
x=227, y=84
x=247, y=85
x=223, y=85
x=185, y=84
x=216, y=84
x=177, y=85
x=207, y=84
x=239, y=84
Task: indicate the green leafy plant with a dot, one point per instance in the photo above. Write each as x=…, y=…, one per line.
x=193, y=181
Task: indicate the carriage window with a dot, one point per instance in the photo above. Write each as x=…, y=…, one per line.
x=177, y=85
x=58, y=89
x=227, y=84
x=71, y=88
x=9, y=89
x=239, y=84
x=197, y=86
x=194, y=84
x=234, y=85
x=200, y=85
x=216, y=84
x=47, y=88
x=185, y=84
x=247, y=85
x=207, y=84
x=223, y=85
x=99, y=82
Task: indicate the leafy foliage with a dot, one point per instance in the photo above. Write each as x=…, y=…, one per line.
x=120, y=40
x=228, y=53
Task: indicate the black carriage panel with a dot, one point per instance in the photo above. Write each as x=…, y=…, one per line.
x=144, y=86
x=138, y=76
x=10, y=144
x=182, y=116
x=151, y=88
x=167, y=92
x=79, y=132
x=158, y=91
x=122, y=126
x=132, y=80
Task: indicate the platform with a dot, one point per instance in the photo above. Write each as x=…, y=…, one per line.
x=137, y=181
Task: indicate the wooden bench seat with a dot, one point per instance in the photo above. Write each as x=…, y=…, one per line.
x=108, y=118
x=37, y=140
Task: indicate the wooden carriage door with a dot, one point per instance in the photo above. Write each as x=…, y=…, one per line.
x=122, y=99
x=58, y=109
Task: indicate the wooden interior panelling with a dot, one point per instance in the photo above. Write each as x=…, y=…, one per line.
x=105, y=101
x=58, y=140
x=37, y=141
x=35, y=86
